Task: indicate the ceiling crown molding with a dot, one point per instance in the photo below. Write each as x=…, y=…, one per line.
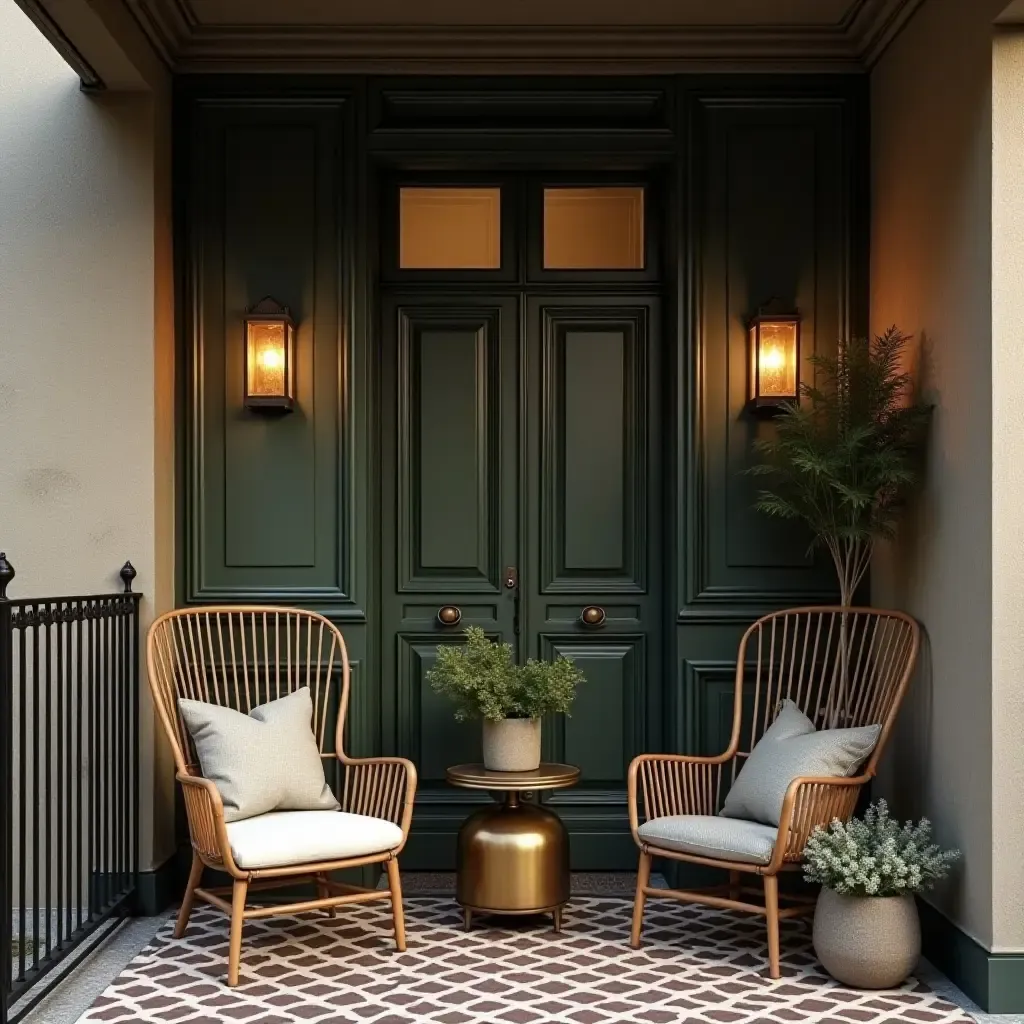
x=169, y=24
x=188, y=42
x=486, y=48
x=874, y=24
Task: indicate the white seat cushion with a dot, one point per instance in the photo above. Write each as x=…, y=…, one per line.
x=704, y=835
x=284, y=838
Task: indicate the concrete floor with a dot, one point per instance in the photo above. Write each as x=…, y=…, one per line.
x=76, y=993
x=95, y=971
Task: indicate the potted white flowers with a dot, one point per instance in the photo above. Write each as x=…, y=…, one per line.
x=484, y=681
x=866, y=929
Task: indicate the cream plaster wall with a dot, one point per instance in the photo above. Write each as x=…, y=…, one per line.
x=1008, y=487
x=86, y=375
x=958, y=558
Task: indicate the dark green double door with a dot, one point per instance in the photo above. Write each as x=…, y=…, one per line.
x=521, y=479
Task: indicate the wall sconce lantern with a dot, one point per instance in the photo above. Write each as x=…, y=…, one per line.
x=774, y=360
x=269, y=358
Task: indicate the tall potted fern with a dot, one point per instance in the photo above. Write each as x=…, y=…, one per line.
x=844, y=458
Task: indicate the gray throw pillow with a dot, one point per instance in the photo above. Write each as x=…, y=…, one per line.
x=265, y=761
x=791, y=748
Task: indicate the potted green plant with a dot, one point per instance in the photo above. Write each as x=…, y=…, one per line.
x=866, y=928
x=844, y=458
x=484, y=681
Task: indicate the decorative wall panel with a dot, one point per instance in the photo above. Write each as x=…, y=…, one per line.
x=771, y=220
x=272, y=499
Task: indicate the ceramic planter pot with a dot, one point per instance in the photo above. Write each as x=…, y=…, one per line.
x=512, y=745
x=867, y=941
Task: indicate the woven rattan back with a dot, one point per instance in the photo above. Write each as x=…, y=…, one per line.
x=843, y=667
x=241, y=657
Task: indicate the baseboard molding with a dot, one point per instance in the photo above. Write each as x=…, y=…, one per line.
x=995, y=981
x=159, y=888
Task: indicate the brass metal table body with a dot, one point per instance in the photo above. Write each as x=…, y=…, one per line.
x=513, y=857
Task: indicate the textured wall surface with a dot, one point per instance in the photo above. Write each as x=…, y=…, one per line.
x=79, y=307
x=932, y=260
x=1007, y=488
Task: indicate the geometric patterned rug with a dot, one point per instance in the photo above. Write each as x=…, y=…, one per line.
x=697, y=965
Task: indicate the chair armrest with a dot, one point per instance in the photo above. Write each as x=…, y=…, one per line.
x=380, y=787
x=205, y=811
x=670, y=784
x=810, y=802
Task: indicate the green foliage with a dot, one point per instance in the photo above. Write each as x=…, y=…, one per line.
x=484, y=681
x=876, y=856
x=844, y=458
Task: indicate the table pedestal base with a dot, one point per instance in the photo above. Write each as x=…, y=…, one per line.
x=513, y=858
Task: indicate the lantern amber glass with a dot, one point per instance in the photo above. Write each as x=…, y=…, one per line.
x=774, y=347
x=267, y=360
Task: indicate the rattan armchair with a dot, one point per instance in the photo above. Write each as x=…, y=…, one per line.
x=796, y=654
x=241, y=657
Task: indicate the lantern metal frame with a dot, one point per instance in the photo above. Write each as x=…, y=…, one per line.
x=270, y=311
x=769, y=405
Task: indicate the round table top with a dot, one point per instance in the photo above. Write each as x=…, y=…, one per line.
x=547, y=776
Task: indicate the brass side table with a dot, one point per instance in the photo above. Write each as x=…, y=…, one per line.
x=513, y=857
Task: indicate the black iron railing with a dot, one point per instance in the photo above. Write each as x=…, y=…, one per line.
x=69, y=791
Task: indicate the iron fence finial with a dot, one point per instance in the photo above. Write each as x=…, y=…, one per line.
x=127, y=574
x=6, y=575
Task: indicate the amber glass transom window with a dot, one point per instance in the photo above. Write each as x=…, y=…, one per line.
x=594, y=228
x=449, y=228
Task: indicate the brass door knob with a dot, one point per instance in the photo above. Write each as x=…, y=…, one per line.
x=593, y=615
x=449, y=615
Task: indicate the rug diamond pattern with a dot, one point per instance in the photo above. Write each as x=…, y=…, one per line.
x=697, y=965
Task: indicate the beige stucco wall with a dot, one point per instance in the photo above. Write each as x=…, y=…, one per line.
x=86, y=376
x=1008, y=487
x=938, y=271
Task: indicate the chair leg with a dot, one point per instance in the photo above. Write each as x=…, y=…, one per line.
x=238, y=894
x=771, y=902
x=322, y=892
x=643, y=877
x=395, y=885
x=734, y=885
x=188, y=900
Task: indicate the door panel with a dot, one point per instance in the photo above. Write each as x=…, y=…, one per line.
x=593, y=487
x=616, y=674
x=448, y=480
x=428, y=733
x=448, y=442
x=594, y=439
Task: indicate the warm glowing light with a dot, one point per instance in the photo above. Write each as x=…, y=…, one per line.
x=272, y=359
x=269, y=372
x=774, y=360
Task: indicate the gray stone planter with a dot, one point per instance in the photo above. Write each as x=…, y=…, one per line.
x=512, y=745
x=867, y=941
